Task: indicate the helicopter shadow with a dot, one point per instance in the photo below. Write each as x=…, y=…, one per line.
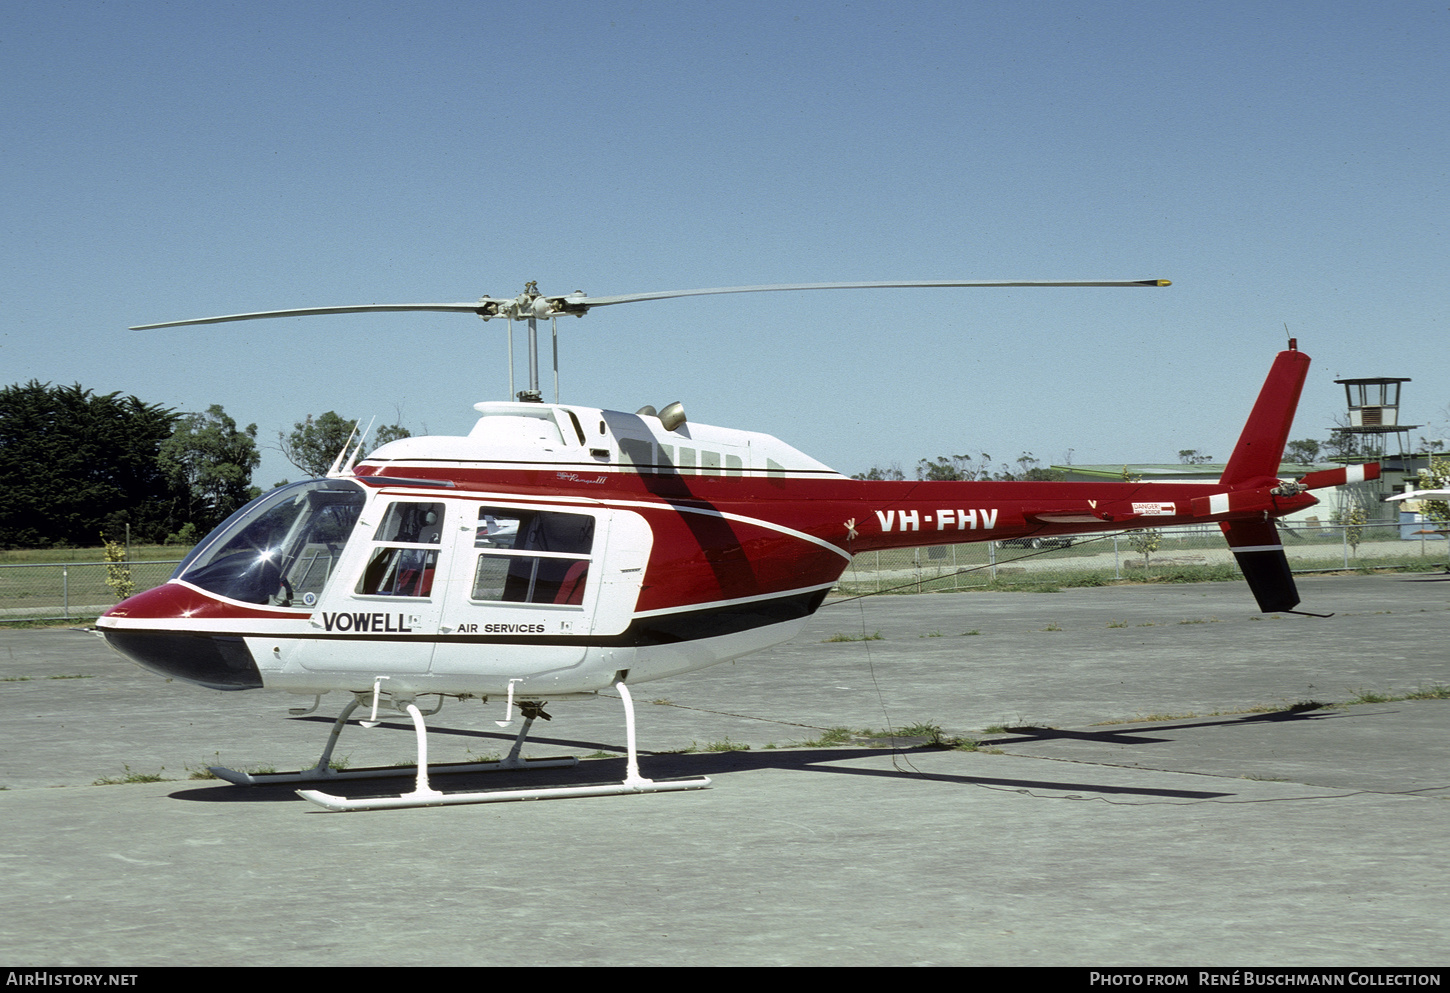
x=1156, y=733
x=667, y=766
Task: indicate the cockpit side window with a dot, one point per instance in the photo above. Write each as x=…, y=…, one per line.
x=406, y=558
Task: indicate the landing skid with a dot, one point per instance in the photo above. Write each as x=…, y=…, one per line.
x=423, y=795
x=323, y=770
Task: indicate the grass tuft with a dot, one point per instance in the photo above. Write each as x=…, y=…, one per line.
x=1431, y=693
x=726, y=745
x=853, y=637
x=131, y=777
x=831, y=737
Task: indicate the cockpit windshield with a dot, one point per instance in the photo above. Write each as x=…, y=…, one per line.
x=279, y=549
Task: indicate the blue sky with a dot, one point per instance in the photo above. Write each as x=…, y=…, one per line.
x=1282, y=163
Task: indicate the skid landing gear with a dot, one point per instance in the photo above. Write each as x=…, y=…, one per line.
x=424, y=795
x=323, y=770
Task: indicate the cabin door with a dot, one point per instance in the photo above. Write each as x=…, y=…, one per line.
x=383, y=604
x=532, y=587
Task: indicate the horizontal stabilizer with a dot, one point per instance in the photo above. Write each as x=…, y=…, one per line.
x=1275, y=499
x=1260, y=498
x=1261, y=558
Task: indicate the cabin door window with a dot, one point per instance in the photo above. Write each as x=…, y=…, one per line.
x=532, y=556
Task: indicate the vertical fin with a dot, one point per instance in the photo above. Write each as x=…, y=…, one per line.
x=1255, y=461
x=1261, y=445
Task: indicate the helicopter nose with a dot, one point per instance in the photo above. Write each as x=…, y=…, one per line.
x=218, y=662
x=150, y=630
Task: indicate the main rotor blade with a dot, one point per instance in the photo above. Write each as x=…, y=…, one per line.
x=577, y=303
x=444, y=308
x=915, y=284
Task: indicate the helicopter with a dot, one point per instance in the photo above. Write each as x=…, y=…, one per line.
x=560, y=550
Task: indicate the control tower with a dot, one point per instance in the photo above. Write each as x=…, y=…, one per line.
x=1373, y=434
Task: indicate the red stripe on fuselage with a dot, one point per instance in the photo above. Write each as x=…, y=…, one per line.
x=173, y=600
x=829, y=510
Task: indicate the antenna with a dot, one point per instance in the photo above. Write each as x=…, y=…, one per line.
x=347, y=470
x=337, y=462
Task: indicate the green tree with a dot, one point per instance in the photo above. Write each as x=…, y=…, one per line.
x=209, y=464
x=73, y=464
x=1342, y=443
x=315, y=441
x=955, y=467
x=387, y=433
x=118, y=570
x=1030, y=468
x=1146, y=542
x=1192, y=456
x=1436, y=477
x=965, y=467
x=878, y=473
x=1305, y=451
x=1355, y=519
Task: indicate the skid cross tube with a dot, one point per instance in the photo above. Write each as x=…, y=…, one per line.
x=323, y=770
x=423, y=794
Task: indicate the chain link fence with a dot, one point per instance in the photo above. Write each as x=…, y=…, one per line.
x=63, y=591
x=79, y=590
x=1198, y=552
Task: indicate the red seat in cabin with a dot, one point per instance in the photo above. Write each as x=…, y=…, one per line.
x=571, y=588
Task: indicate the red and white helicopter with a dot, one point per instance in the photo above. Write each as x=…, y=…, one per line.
x=558, y=550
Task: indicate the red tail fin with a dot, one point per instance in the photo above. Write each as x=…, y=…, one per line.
x=1261, y=446
x=1255, y=460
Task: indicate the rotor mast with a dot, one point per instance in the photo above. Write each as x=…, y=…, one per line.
x=529, y=305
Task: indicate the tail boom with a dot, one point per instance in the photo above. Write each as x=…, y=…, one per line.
x=1245, y=502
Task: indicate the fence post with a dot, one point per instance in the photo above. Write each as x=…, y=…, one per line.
x=65, y=590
